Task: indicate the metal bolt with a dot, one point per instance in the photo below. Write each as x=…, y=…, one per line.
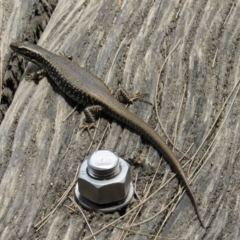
x=104, y=182
x=103, y=165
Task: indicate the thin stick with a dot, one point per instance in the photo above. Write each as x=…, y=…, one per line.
x=83, y=215
x=178, y=115
x=145, y=196
x=94, y=135
x=155, y=98
x=214, y=59
x=195, y=173
x=70, y=113
x=146, y=234
x=220, y=112
x=72, y=210
x=167, y=217
x=69, y=143
x=103, y=135
x=45, y=219
x=115, y=57
x=158, y=213
x=135, y=187
x=228, y=14
x=210, y=145
x=177, y=14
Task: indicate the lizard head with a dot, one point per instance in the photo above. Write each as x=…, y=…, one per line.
x=28, y=50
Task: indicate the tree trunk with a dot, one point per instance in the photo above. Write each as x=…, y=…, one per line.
x=184, y=55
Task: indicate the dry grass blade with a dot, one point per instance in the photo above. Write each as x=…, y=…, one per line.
x=115, y=57
x=216, y=120
x=155, y=215
x=70, y=113
x=214, y=59
x=229, y=14
x=69, y=144
x=156, y=94
x=82, y=215
x=161, y=186
x=135, y=187
x=94, y=135
x=147, y=235
x=145, y=196
x=219, y=130
x=201, y=163
x=103, y=135
x=178, y=115
x=169, y=213
x=209, y=132
x=40, y=224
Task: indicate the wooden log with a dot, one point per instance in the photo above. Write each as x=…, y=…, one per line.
x=184, y=54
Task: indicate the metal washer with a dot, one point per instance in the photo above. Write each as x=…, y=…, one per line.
x=106, y=208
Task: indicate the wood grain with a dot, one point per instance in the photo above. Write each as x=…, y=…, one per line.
x=126, y=42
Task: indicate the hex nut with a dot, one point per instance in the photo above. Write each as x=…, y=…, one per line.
x=104, y=191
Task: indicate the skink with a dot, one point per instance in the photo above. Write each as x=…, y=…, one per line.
x=88, y=90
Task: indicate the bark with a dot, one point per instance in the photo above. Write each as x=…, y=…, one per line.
x=185, y=51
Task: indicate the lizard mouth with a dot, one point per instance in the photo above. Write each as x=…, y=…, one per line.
x=19, y=47
x=24, y=49
x=15, y=46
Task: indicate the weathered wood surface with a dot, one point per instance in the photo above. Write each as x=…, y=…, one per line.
x=127, y=42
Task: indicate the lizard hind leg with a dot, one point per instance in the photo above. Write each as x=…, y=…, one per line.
x=90, y=113
x=123, y=97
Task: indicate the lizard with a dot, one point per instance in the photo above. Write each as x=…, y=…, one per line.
x=88, y=90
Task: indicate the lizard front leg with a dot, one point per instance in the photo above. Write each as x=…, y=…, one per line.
x=36, y=76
